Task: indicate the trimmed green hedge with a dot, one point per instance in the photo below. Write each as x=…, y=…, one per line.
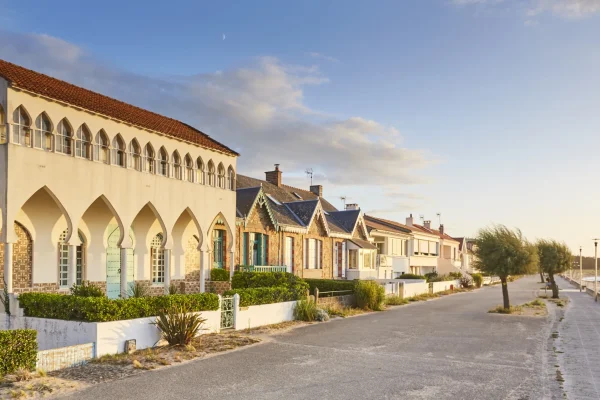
x=245, y=280
x=219, y=274
x=411, y=276
x=329, y=285
x=102, y=309
x=18, y=349
x=268, y=295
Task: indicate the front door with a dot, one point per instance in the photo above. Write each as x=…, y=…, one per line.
x=113, y=264
x=218, y=249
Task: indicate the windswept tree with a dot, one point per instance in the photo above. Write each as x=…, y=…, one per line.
x=555, y=258
x=503, y=252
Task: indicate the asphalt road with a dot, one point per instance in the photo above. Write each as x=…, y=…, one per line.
x=449, y=348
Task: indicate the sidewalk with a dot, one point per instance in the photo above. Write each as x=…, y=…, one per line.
x=579, y=341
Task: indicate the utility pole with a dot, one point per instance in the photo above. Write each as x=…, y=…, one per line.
x=580, y=270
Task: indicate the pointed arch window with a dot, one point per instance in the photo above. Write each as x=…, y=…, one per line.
x=21, y=127
x=83, y=143
x=63, y=260
x=201, y=172
x=211, y=173
x=149, y=159
x=43, y=137
x=189, y=168
x=230, y=178
x=135, y=153
x=163, y=162
x=221, y=176
x=101, y=147
x=2, y=125
x=64, y=137
x=157, y=259
x=119, y=151
x=176, y=166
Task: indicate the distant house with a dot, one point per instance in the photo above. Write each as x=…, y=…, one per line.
x=425, y=247
x=467, y=255
x=280, y=227
x=393, y=242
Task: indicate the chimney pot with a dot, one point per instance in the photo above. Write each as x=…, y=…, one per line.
x=317, y=189
x=427, y=224
x=274, y=177
x=352, y=206
x=442, y=229
x=409, y=220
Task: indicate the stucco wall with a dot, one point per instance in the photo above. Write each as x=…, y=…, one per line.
x=265, y=314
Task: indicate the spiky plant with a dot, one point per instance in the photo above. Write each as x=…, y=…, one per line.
x=138, y=290
x=178, y=326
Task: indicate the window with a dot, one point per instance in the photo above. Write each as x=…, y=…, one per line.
x=201, y=175
x=80, y=259
x=255, y=248
x=119, y=151
x=221, y=176
x=101, y=147
x=135, y=155
x=163, y=162
x=21, y=127
x=289, y=251
x=63, y=261
x=64, y=135
x=176, y=166
x=150, y=162
x=218, y=248
x=367, y=260
x=211, y=173
x=158, y=259
x=313, y=249
x=42, y=137
x=83, y=143
x=297, y=195
x=380, y=246
x=353, y=259
x=230, y=179
x=189, y=168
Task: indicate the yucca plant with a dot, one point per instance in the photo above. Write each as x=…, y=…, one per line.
x=173, y=289
x=178, y=326
x=138, y=290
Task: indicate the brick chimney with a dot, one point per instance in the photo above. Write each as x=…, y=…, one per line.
x=352, y=206
x=427, y=224
x=409, y=220
x=274, y=177
x=317, y=189
x=442, y=229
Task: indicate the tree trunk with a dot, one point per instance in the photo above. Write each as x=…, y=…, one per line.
x=554, y=286
x=542, y=277
x=505, y=292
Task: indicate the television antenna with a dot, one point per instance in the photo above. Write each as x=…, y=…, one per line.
x=343, y=199
x=309, y=173
x=422, y=218
x=439, y=215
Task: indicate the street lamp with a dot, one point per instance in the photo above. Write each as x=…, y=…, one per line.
x=580, y=270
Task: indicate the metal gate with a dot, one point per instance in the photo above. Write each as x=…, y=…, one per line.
x=227, y=312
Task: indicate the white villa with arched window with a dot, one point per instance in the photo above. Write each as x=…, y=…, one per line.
x=97, y=190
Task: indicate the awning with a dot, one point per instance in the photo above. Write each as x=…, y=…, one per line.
x=363, y=244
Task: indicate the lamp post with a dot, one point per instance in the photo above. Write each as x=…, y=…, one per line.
x=580, y=270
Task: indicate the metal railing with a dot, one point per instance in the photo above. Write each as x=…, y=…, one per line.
x=264, y=268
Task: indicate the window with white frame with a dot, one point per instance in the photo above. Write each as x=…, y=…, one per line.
x=43, y=137
x=21, y=127
x=176, y=166
x=63, y=261
x=149, y=159
x=313, y=250
x=367, y=260
x=136, y=155
x=64, y=134
x=158, y=259
x=83, y=143
x=101, y=148
x=163, y=162
x=221, y=176
x=230, y=179
x=211, y=173
x=119, y=151
x=189, y=168
x=289, y=251
x=201, y=172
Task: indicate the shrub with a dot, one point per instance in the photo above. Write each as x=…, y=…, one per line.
x=329, y=285
x=395, y=301
x=455, y=275
x=219, y=274
x=86, y=289
x=306, y=310
x=138, y=290
x=245, y=280
x=477, y=279
x=178, y=326
x=18, y=350
x=466, y=282
x=369, y=295
x=441, y=278
x=173, y=289
x=431, y=275
x=267, y=295
x=411, y=276
x=103, y=309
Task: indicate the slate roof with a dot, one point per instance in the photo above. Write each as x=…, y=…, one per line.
x=45, y=85
x=244, y=199
x=304, y=210
x=363, y=244
x=347, y=218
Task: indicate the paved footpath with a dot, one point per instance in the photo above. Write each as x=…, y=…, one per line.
x=448, y=348
x=578, y=344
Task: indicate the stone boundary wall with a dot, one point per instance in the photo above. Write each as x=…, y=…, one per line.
x=65, y=357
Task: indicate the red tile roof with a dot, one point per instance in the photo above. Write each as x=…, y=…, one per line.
x=65, y=92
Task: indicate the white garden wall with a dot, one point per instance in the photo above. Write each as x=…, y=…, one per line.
x=446, y=285
x=265, y=314
x=415, y=288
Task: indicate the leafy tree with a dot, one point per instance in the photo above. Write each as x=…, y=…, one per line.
x=503, y=252
x=554, y=258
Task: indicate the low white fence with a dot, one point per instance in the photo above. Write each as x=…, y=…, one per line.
x=265, y=314
x=445, y=285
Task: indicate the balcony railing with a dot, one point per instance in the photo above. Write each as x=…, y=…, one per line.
x=264, y=268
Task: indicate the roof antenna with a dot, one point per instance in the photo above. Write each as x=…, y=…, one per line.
x=439, y=215
x=422, y=218
x=309, y=173
x=343, y=199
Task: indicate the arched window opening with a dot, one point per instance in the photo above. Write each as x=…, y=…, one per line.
x=43, y=137
x=221, y=176
x=230, y=179
x=189, y=168
x=201, y=172
x=119, y=151
x=21, y=127
x=136, y=155
x=80, y=259
x=63, y=260
x=211, y=173
x=150, y=161
x=158, y=259
x=83, y=143
x=64, y=137
x=102, y=148
x=2, y=125
x=163, y=162
x=176, y=166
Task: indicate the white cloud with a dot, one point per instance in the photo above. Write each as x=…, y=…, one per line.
x=258, y=109
x=321, y=56
x=533, y=8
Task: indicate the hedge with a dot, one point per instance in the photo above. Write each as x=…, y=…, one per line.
x=219, y=274
x=268, y=295
x=330, y=285
x=18, y=349
x=245, y=280
x=102, y=309
x=411, y=276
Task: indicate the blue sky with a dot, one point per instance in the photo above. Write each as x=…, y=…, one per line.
x=484, y=110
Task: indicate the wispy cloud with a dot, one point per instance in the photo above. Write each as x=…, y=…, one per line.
x=320, y=56
x=531, y=8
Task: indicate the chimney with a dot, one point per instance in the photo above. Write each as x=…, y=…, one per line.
x=409, y=220
x=442, y=229
x=274, y=177
x=352, y=206
x=427, y=224
x=317, y=189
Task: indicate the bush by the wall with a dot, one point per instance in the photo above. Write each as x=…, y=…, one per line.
x=103, y=309
x=370, y=295
x=442, y=278
x=455, y=275
x=411, y=276
x=86, y=289
x=219, y=274
x=268, y=295
x=245, y=280
x=306, y=310
x=18, y=349
x=477, y=279
x=330, y=285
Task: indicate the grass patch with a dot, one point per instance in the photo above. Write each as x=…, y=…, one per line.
x=501, y=310
x=336, y=310
x=395, y=301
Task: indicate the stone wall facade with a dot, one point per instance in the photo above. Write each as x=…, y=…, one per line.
x=218, y=287
x=22, y=257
